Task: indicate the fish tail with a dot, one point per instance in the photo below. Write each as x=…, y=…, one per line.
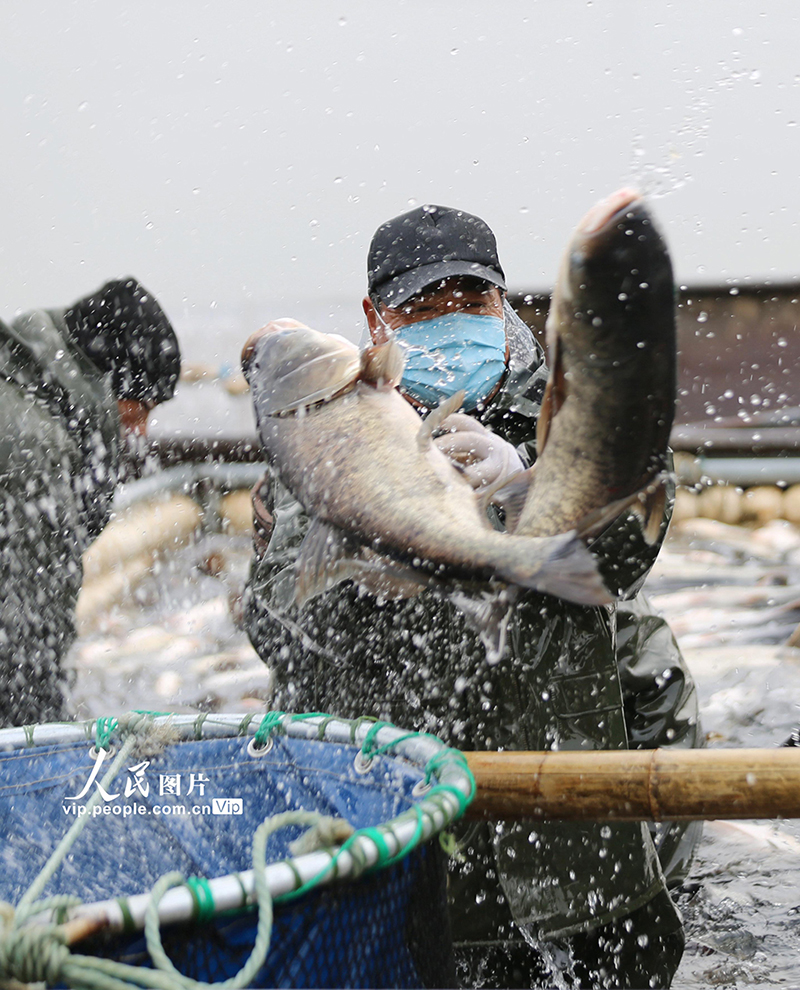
x=557, y=565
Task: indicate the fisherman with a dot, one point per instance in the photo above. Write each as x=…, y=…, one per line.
x=72, y=381
x=594, y=897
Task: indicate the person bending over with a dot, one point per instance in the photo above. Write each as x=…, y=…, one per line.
x=71, y=380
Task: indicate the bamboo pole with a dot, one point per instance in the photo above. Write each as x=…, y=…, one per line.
x=637, y=785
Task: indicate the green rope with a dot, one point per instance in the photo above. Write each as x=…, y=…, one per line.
x=387, y=747
x=369, y=739
x=412, y=842
x=104, y=729
x=244, y=725
x=263, y=899
x=269, y=723
x=204, y=906
x=273, y=721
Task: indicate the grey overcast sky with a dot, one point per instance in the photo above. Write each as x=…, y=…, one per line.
x=241, y=153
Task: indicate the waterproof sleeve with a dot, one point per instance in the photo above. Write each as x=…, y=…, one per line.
x=38, y=354
x=659, y=696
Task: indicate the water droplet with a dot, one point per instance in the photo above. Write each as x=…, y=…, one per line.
x=196, y=191
x=342, y=22
x=454, y=51
x=83, y=106
x=337, y=181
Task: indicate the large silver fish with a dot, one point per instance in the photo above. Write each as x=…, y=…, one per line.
x=379, y=492
x=610, y=400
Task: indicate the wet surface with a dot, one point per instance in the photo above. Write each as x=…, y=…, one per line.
x=732, y=595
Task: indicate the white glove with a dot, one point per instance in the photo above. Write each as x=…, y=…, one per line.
x=483, y=456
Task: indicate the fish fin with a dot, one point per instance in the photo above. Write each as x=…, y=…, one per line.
x=382, y=364
x=650, y=505
x=328, y=556
x=594, y=522
x=436, y=417
x=568, y=571
x=325, y=560
x=489, y=617
x=514, y=491
x=386, y=578
x=648, y=502
x=555, y=392
x=543, y=422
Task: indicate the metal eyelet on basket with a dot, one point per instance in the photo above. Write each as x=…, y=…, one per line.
x=421, y=787
x=93, y=753
x=362, y=764
x=254, y=750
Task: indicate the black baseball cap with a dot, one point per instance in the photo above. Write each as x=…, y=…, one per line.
x=426, y=245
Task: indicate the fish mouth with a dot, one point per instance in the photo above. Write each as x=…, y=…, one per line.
x=607, y=210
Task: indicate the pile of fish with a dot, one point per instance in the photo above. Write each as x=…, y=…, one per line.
x=729, y=585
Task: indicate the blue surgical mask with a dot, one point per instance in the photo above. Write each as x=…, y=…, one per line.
x=448, y=353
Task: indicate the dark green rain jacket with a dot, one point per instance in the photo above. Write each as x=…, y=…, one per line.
x=572, y=678
x=59, y=447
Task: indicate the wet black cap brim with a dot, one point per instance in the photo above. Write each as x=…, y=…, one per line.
x=398, y=290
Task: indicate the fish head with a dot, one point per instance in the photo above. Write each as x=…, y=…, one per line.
x=615, y=274
x=290, y=366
